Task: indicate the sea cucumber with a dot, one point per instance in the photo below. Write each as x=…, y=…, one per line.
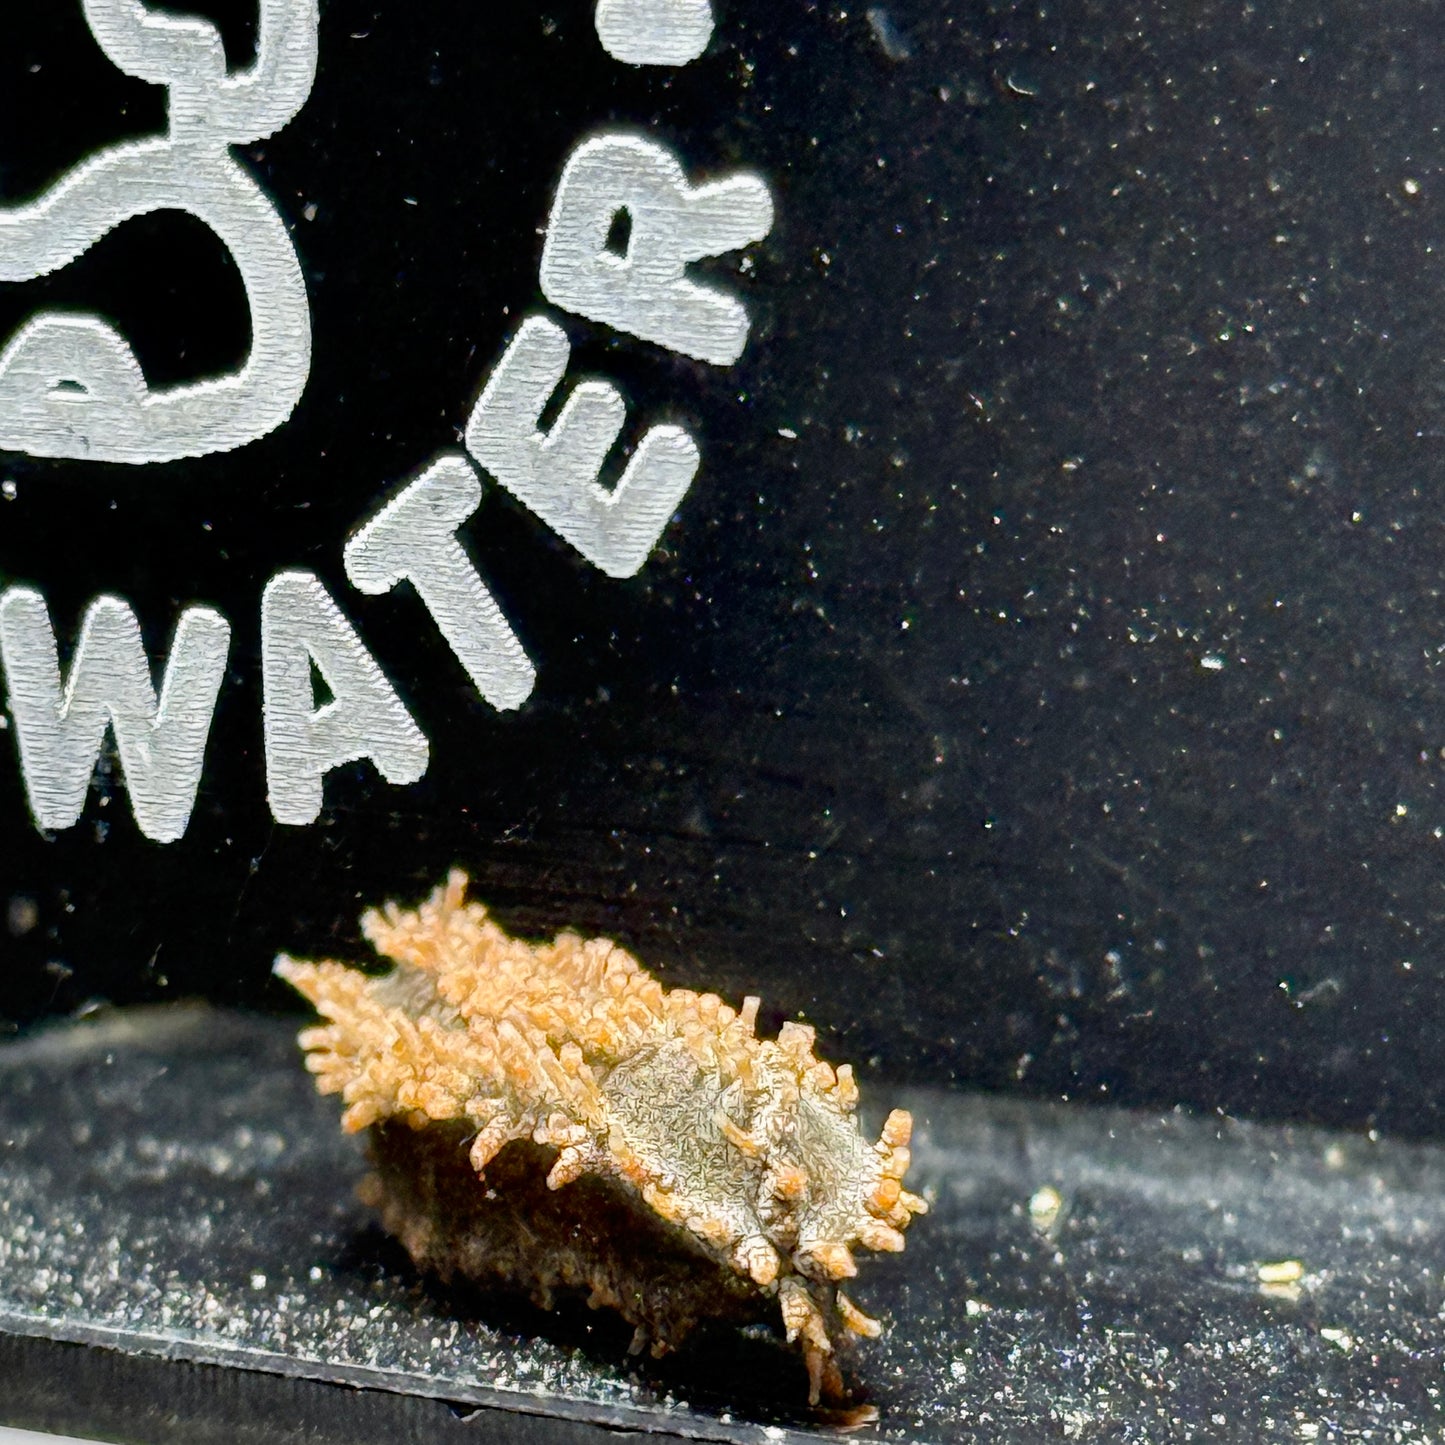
x=691, y=1169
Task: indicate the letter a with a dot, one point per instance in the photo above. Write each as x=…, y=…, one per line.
x=302, y=627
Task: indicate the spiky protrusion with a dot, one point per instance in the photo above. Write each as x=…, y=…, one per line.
x=749, y=1145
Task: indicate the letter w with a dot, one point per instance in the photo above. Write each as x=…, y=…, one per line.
x=61, y=727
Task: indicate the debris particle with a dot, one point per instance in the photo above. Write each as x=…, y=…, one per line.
x=1045, y=1207
x=890, y=39
x=22, y=915
x=1287, y=1271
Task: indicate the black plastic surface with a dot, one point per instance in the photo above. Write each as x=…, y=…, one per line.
x=1040, y=690
x=1058, y=709
x=171, y=1189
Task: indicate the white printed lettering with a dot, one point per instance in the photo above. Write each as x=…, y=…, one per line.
x=414, y=539
x=60, y=728
x=654, y=32
x=646, y=291
x=301, y=628
x=555, y=474
x=70, y=385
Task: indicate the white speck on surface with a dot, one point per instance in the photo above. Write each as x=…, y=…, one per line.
x=1045, y=1206
x=890, y=40
x=1212, y=662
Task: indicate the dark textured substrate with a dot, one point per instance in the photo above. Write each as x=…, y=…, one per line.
x=177, y=1202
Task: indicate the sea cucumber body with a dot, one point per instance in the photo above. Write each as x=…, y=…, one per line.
x=750, y=1146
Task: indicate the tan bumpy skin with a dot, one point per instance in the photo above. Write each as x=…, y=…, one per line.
x=751, y=1146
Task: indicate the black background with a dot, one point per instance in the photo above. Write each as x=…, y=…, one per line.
x=1059, y=711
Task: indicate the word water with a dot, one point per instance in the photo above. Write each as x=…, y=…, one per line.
x=70, y=386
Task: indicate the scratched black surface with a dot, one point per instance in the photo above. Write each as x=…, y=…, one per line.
x=1059, y=712
x=174, y=1190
